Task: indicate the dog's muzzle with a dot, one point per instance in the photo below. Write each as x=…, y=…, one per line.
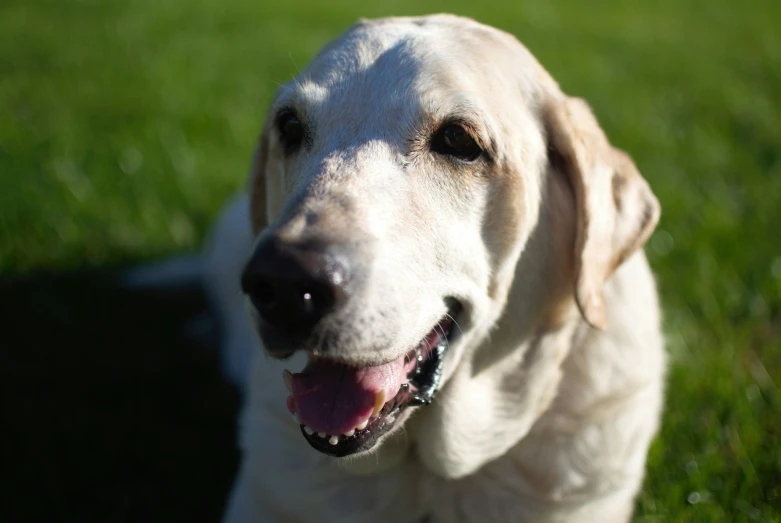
x=341, y=409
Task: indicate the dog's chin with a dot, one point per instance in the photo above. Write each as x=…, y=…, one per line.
x=388, y=452
x=341, y=415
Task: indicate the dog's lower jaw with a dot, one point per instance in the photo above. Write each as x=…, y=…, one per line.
x=391, y=451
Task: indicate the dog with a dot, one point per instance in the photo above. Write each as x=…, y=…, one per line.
x=441, y=256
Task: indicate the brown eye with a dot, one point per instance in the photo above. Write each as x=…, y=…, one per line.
x=454, y=140
x=291, y=131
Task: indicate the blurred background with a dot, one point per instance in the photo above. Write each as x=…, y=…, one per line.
x=126, y=124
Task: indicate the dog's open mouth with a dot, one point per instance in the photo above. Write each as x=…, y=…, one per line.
x=344, y=410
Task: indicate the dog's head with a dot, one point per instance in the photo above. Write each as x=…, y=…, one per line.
x=425, y=200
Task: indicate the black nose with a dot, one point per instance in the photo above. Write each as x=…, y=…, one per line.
x=294, y=286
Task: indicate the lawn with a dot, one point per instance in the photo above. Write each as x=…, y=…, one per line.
x=126, y=124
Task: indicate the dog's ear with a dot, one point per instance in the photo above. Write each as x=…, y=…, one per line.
x=616, y=210
x=257, y=182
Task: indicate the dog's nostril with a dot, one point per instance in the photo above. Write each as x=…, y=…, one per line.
x=263, y=295
x=281, y=299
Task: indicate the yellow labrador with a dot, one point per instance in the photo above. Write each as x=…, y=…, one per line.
x=444, y=270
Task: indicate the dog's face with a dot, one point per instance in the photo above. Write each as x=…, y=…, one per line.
x=401, y=183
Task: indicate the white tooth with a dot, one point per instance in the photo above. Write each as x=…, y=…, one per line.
x=362, y=425
x=348, y=434
x=333, y=440
x=308, y=430
x=295, y=417
x=379, y=402
x=322, y=434
x=288, y=377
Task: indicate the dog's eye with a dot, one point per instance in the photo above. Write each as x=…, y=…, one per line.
x=291, y=131
x=454, y=140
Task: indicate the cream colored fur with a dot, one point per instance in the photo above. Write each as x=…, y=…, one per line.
x=552, y=392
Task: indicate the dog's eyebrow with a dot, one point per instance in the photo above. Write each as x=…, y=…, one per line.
x=297, y=95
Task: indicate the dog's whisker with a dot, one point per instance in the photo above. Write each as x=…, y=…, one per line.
x=460, y=330
x=441, y=330
x=293, y=60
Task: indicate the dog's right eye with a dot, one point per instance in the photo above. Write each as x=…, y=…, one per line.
x=453, y=140
x=291, y=131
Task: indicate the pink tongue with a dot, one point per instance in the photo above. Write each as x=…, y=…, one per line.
x=334, y=398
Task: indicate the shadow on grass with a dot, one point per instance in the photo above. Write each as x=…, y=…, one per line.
x=110, y=413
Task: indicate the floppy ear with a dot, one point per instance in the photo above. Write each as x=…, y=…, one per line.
x=257, y=183
x=616, y=210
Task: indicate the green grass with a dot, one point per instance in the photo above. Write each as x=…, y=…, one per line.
x=125, y=125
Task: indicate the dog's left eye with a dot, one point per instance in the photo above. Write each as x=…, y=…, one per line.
x=291, y=131
x=454, y=140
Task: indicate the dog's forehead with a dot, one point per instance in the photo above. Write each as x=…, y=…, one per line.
x=394, y=71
